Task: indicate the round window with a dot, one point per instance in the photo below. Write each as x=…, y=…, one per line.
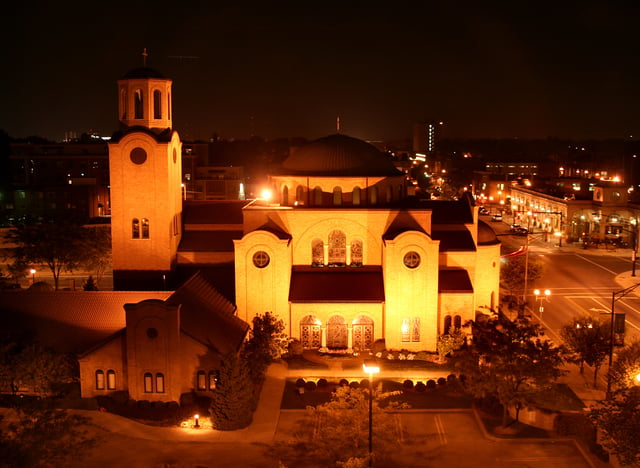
x=152, y=333
x=412, y=259
x=138, y=156
x=261, y=259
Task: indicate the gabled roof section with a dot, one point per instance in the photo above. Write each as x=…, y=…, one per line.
x=272, y=227
x=454, y=281
x=69, y=321
x=454, y=241
x=208, y=241
x=207, y=316
x=339, y=284
x=403, y=222
x=450, y=211
x=227, y=212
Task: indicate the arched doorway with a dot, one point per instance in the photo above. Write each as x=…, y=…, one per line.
x=337, y=333
x=310, y=333
x=362, y=333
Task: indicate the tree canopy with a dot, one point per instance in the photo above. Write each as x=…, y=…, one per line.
x=508, y=360
x=234, y=398
x=590, y=340
x=512, y=272
x=626, y=366
x=267, y=343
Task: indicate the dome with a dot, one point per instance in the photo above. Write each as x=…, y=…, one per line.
x=486, y=235
x=142, y=73
x=339, y=155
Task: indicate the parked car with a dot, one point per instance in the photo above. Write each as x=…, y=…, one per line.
x=483, y=211
x=496, y=217
x=520, y=231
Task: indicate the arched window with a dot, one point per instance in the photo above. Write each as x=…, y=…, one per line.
x=447, y=324
x=138, y=112
x=213, y=378
x=300, y=194
x=111, y=380
x=337, y=248
x=123, y=99
x=148, y=382
x=317, y=252
x=373, y=195
x=400, y=192
x=411, y=329
x=159, y=383
x=457, y=323
x=99, y=380
x=406, y=329
x=337, y=196
x=337, y=336
x=356, y=195
x=362, y=332
x=157, y=104
x=135, y=228
x=317, y=196
x=389, y=194
x=169, y=105
x=145, y=228
x=285, y=196
x=201, y=381
x=356, y=252
x=310, y=333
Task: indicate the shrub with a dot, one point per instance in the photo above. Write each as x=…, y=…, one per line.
x=420, y=387
x=120, y=397
x=451, y=378
x=354, y=384
x=144, y=404
x=300, y=383
x=378, y=346
x=344, y=383
x=407, y=384
x=187, y=399
x=422, y=356
x=173, y=406
x=295, y=348
x=364, y=383
x=431, y=384
x=322, y=383
x=310, y=386
x=442, y=381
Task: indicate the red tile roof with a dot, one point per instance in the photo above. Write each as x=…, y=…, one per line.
x=454, y=281
x=326, y=284
x=454, y=241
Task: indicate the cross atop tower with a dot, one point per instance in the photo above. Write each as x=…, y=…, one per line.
x=144, y=57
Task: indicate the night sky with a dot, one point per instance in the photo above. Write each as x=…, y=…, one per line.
x=287, y=69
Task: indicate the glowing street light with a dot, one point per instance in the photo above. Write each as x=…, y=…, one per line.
x=196, y=418
x=33, y=275
x=370, y=367
x=541, y=296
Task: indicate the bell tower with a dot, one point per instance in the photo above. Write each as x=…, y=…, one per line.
x=145, y=168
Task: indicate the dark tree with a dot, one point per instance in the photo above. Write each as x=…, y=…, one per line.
x=233, y=400
x=512, y=273
x=619, y=420
x=44, y=438
x=266, y=344
x=626, y=368
x=508, y=360
x=589, y=339
x=90, y=285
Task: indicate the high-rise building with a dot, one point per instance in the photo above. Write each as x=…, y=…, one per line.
x=426, y=136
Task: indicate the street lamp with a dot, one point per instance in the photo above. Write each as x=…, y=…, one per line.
x=33, y=276
x=541, y=296
x=370, y=367
x=196, y=418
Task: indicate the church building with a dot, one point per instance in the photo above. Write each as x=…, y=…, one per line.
x=340, y=252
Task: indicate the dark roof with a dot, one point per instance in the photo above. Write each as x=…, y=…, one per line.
x=143, y=72
x=160, y=135
x=454, y=241
x=213, y=212
x=339, y=284
x=454, y=281
x=69, y=321
x=449, y=211
x=339, y=155
x=272, y=227
x=486, y=234
x=208, y=241
x=208, y=316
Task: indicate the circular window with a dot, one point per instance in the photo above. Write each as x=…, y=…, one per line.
x=152, y=333
x=175, y=155
x=411, y=259
x=138, y=156
x=261, y=259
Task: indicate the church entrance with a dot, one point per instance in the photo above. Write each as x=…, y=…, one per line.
x=362, y=333
x=337, y=333
x=310, y=332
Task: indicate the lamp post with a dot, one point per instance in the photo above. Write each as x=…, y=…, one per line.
x=33, y=276
x=614, y=297
x=196, y=418
x=541, y=296
x=370, y=367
